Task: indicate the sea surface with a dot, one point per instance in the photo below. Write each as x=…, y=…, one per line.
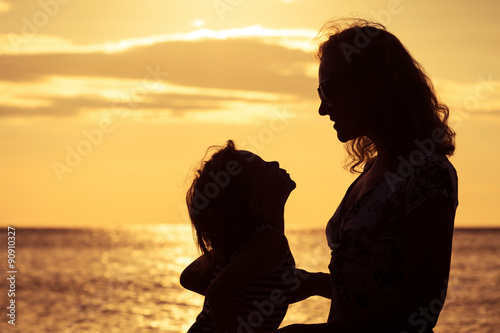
x=127, y=280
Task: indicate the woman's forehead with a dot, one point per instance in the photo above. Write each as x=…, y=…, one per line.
x=331, y=67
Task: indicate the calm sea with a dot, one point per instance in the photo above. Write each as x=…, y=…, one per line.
x=126, y=280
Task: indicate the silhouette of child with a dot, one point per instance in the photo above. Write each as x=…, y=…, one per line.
x=246, y=270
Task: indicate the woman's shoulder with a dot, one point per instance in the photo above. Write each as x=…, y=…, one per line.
x=434, y=175
x=412, y=168
x=435, y=165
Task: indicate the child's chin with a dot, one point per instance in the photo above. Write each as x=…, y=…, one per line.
x=292, y=186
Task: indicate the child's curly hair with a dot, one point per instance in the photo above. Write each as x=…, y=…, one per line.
x=218, y=202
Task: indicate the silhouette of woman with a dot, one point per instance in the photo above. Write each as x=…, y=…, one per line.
x=391, y=236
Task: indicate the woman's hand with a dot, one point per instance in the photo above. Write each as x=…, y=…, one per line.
x=312, y=284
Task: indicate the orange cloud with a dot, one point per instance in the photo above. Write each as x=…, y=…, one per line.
x=267, y=73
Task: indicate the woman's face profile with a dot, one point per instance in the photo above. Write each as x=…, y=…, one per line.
x=348, y=105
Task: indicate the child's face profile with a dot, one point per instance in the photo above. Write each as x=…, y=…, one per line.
x=270, y=182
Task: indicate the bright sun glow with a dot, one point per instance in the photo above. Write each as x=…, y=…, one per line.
x=198, y=23
x=5, y=7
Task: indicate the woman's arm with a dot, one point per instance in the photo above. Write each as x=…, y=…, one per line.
x=261, y=253
x=312, y=284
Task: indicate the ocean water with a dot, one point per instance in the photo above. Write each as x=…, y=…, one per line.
x=127, y=280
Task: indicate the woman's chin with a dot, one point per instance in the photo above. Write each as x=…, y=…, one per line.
x=342, y=138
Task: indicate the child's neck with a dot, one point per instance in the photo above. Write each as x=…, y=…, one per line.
x=274, y=218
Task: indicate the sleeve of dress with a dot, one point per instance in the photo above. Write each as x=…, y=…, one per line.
x=435, y=177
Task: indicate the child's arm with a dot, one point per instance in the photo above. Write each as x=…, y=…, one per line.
x=260, y=254
x=196, y=277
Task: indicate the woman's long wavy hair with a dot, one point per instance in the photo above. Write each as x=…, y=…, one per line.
x=408, y=108
x=218, y=202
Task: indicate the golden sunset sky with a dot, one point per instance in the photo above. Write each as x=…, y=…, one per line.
x=106, y=106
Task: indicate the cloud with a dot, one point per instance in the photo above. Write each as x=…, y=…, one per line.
x=227, y=64
x=207, y=74
x=492, y=113
x=13, y=43
x=176, y=103
x=16, y=43
x=58, y=107
x=478, y=97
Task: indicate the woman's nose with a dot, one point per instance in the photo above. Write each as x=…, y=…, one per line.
x=323, y=109
x=275, y=164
